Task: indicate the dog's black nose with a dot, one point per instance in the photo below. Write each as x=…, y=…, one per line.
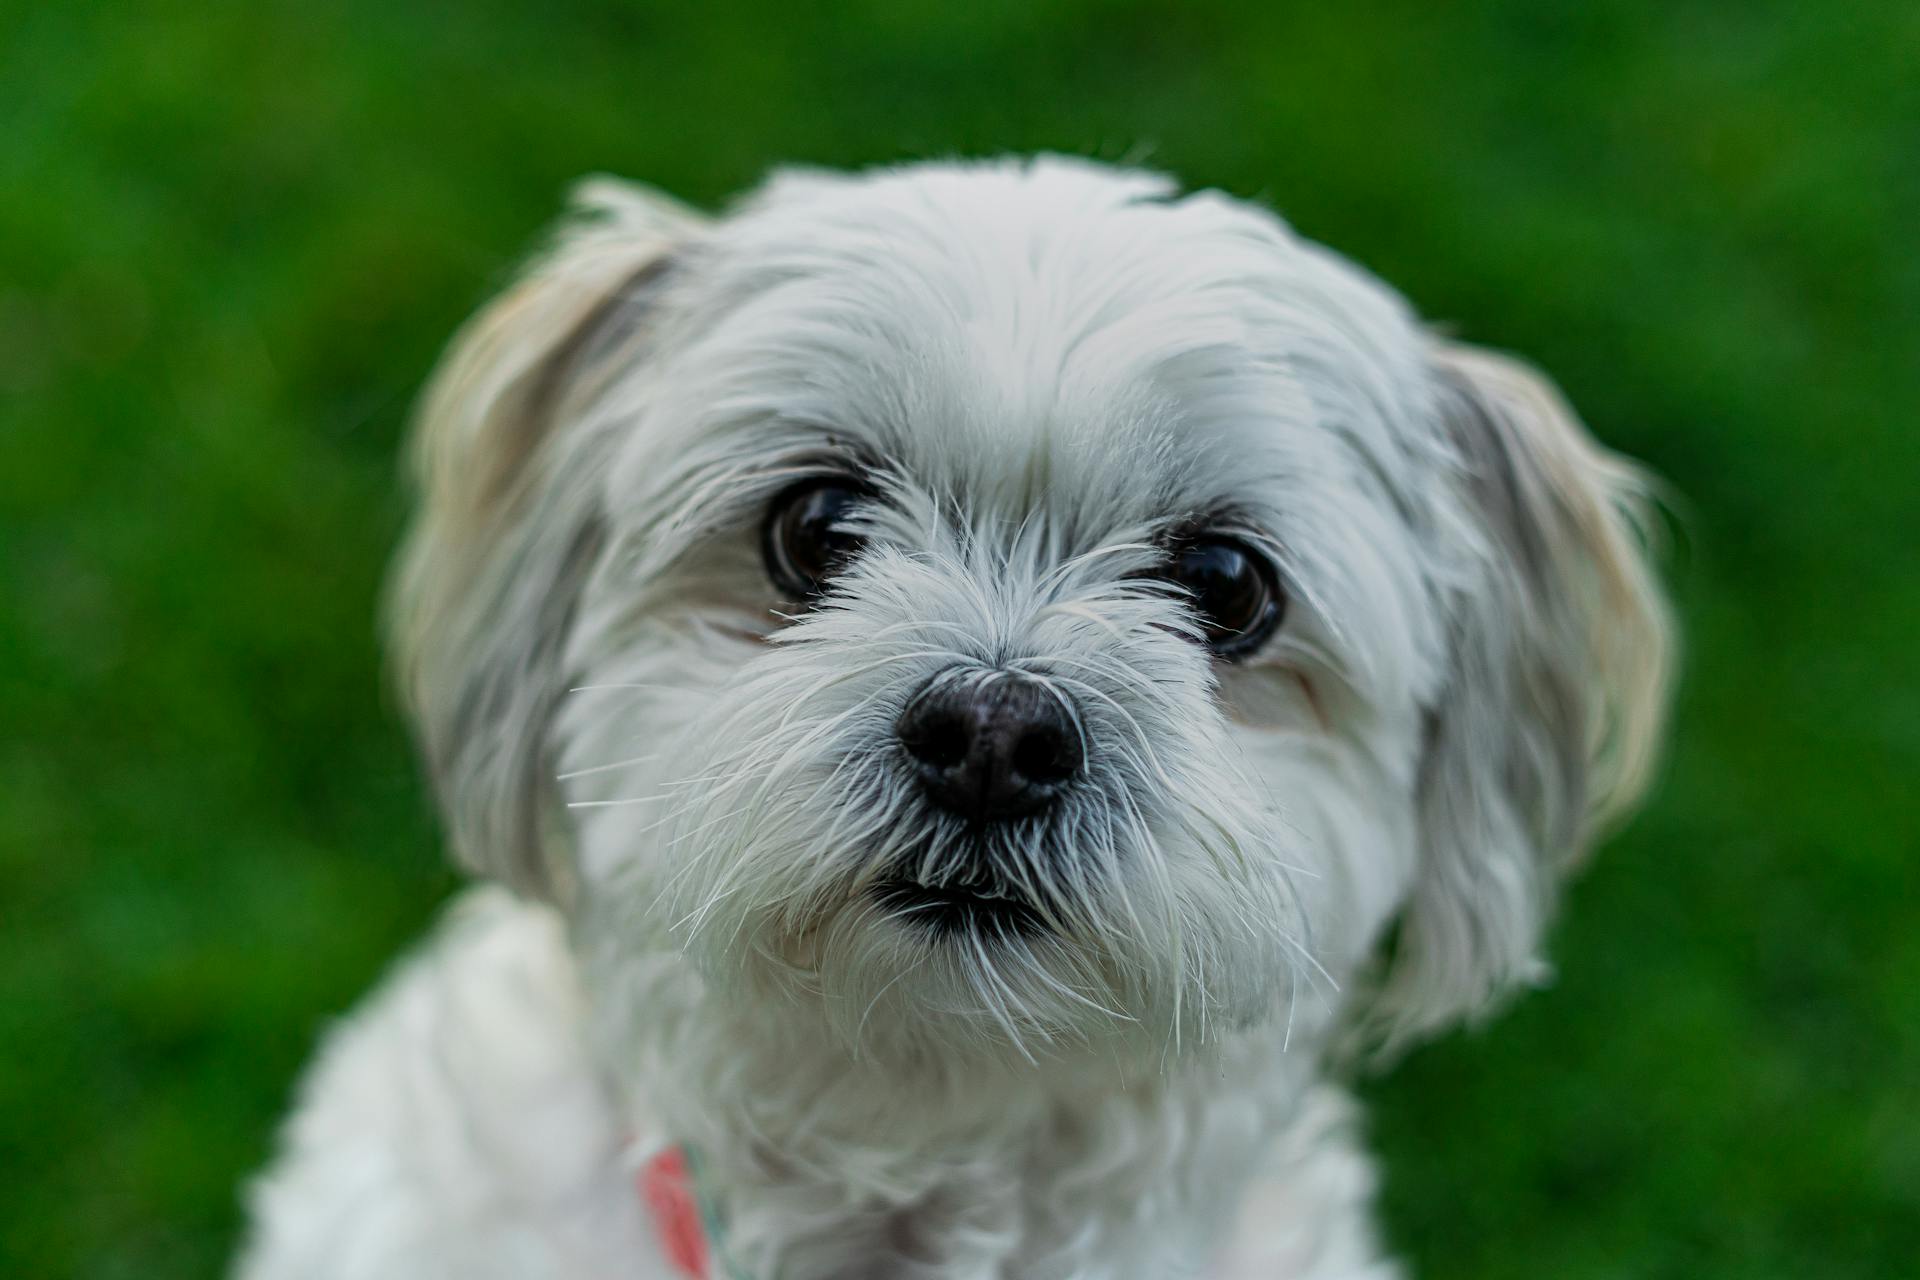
x=993, y=747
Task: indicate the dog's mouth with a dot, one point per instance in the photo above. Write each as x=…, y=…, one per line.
x=948, y=909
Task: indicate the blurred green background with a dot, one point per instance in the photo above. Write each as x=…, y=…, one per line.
x=232, y=238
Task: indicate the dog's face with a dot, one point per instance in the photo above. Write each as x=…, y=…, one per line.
x=1011, y=612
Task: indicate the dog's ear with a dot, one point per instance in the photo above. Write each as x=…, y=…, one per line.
x=508, y=522
x=1556, y=691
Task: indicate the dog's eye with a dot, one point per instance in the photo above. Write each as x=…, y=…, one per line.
x=1232, y=589
x=806, y=539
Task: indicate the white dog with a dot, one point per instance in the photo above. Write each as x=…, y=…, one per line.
x=984, y=682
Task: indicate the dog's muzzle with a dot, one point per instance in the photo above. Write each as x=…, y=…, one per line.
x=990, y=748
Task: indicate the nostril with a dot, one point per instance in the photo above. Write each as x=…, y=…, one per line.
x=936, y=737
x=1046, y=754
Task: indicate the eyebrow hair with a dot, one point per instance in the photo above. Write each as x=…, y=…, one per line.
x=1224, y=517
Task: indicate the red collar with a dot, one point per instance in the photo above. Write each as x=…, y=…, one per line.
x=666, y=1189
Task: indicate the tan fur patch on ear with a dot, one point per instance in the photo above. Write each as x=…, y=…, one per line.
x=1550, y=721
x=494, y=396
x=482, y=591
x=1599, y=533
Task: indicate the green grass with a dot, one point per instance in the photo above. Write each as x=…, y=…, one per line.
x=232, y=238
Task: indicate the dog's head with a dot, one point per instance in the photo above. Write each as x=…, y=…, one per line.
x=1015, y=610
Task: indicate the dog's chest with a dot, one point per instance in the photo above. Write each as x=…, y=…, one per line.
x=1200, y=1187
x=463, y=1101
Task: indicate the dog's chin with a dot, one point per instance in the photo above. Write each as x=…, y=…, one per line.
x=931, y=980
x=968, y=954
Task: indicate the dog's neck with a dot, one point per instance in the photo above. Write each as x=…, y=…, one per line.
x=825, y=1165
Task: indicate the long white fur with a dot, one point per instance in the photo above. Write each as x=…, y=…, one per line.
x=1041, y=367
